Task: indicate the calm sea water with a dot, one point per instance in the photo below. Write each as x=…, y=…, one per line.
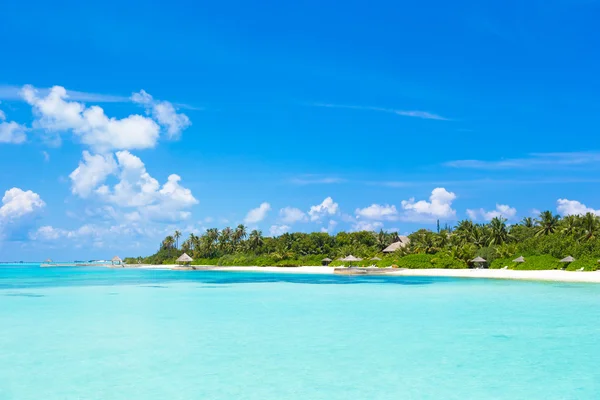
x=78, y=333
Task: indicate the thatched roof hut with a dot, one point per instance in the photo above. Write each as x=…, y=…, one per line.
x=519, y=260
x=184, y=258
x=116, y=260
x=403, y=241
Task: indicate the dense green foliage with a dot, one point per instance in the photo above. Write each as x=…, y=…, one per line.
x=542, y=241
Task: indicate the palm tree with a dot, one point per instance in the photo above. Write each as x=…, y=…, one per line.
x=528, y=222
x=255, y=240
x=498, y=233
x=465, y=230
x=546, y=223
x=239, y=234
x=225, y=239
x=192, y=240
x=590, y=226
x=168, y=244
x=569, y=224
x=177, y=235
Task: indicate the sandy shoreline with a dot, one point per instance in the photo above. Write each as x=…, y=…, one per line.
x=553, y=276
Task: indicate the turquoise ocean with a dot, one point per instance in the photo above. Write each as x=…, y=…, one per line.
x=85, y=333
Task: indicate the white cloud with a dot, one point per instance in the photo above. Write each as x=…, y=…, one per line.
x=330, y=227
x=17, y=213
x=95, y=235
x=290, y=215
x=534, y=160
x=48, y=233
x=326, y=208
x=11, y=132
x=378, y=212
x=315, y=180
x=501, y=211
x=367, y=226
x=404, y=113
x=439, y=206
x=46, y=156
x=92, y=171
x=278, y=230
x=257, y=214
x=574, y=207
x=163, y=112
x=56, y=113
x=17, y=203
x=135, y=188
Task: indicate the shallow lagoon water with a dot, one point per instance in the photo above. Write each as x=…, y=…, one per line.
x=83, y=333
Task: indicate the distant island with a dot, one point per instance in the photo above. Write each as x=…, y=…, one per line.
x=545, y=243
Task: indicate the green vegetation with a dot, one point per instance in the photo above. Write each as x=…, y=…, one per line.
x=542, y=241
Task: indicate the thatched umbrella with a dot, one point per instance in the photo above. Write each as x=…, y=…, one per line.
x=116, y=260
x=326, y=261
x=184, y=259
x=375, y=259
x=479, y=260
x=567, y=260
x=351, y=259
x=519, y=260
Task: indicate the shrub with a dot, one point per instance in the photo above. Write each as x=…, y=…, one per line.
x=544, y=262
x=416, y=261
x=588, y=264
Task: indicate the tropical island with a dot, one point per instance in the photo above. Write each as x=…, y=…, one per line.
x=532, y=244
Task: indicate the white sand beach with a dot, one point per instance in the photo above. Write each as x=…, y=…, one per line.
x=550, y=275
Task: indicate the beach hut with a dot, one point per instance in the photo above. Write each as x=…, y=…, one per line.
x=519, y=260
x=184, y=259
x=402, y=241
x=479, y=261
x=116, y=260
x=326, y=261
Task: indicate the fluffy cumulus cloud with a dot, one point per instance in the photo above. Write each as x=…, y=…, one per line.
x=502, y=211
x=290, y=215
x=18, y=203
x=327, y=208
x=257, y=214
x=135, y=187
x=330, y=227
x=56, y=113
x=439, y=206
x=377, y=212
x=367, y=226
x=163, y=112
x=278, y=230
x=11, y=132
x=19, y=209
x=91, y=172
x=574, y=207
x=96, y=235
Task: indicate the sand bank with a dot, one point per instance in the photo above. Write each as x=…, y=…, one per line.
x=556, y=276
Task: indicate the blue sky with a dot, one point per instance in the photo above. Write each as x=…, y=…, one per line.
x=314, y=115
